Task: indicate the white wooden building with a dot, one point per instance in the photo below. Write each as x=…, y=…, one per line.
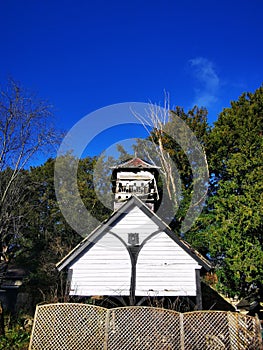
x=135, y=254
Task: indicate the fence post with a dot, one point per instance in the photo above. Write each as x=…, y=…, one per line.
x=258, y=330
x=107, y=329
x=182, y=330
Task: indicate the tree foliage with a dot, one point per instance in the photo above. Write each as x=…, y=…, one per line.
x=35, y=235
x=229, y=230
x=25, y=131
x=233, y=224
x=47, y=236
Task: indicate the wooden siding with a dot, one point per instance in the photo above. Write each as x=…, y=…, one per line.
x=136, y=221
x=105, y=269
x=164, y=268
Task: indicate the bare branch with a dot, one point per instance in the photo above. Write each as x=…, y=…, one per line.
x=26, y=131
x=154, y=123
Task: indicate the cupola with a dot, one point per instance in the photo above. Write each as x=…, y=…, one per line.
x=135, y=177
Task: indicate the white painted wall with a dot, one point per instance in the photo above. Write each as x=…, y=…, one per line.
x=136, y=221
x=164, y=268
x=104, y=270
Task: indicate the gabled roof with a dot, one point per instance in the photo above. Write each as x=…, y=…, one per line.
x=136, y=163
x=133, y=201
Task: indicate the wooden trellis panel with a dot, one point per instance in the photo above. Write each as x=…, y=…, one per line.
x=143, y=328
x=68, y=326
x=85, y=327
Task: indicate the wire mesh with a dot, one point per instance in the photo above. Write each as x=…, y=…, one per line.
x=75, y=326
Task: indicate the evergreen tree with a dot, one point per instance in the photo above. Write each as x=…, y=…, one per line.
x=233, y=222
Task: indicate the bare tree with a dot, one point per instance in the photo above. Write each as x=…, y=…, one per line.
x=173, y=138
x=26, y=131
x=155, y=121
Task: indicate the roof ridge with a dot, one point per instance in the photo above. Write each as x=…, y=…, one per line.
x=133, y=200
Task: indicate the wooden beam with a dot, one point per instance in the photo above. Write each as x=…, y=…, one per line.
x=199, y=305
x=68, y=282
x=133, y=251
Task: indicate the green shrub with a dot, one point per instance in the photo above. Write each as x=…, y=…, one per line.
x=15, y=338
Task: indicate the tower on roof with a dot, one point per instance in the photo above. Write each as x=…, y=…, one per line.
x=135, y=177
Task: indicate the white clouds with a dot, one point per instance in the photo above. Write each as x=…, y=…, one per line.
x=207, y=82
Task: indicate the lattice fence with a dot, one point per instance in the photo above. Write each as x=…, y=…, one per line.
x=86, y=327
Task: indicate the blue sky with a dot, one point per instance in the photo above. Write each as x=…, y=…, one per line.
x=83, y=55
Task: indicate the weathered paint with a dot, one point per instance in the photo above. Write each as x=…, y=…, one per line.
x=135, y=177
x=105, y=269
x=135, y=221
x=163, y=267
